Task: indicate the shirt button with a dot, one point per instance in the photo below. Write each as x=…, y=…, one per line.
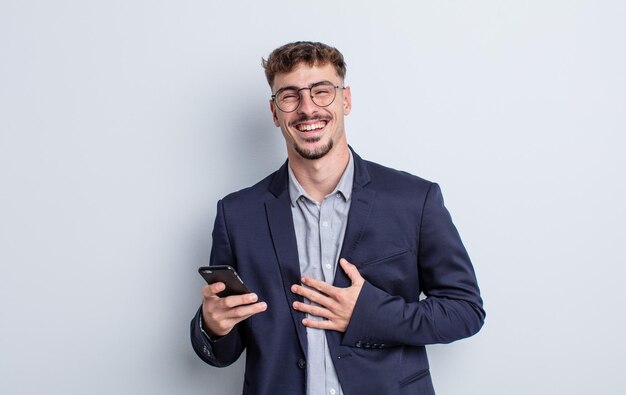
x=328, y=266
x=332, y=391
x=301, y=363
x=325, y=224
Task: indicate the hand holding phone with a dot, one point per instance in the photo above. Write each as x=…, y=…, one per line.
x=220, y=315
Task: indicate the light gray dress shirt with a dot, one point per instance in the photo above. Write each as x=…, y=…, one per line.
x=320, y=228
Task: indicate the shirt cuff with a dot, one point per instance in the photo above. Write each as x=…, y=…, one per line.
x=205, y=334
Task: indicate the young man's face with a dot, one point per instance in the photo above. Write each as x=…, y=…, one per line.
x=311, y=131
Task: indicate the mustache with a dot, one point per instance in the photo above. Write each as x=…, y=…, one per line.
x=306, y=118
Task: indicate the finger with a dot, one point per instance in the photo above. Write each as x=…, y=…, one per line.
x=352, y=272
x=212, y=289
x=322, y=324
x=238, y=300
x=217, y=287
x=239, y=313
x=220, y=320
x=321, y=286
x=242, y=312
x=316, y=311
x=313, y=296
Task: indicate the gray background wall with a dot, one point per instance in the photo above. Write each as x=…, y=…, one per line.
x=123, y=122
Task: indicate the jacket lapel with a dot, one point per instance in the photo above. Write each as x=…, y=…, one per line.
x=358, y=217
x=283, y=235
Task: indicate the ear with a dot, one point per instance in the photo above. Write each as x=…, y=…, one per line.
x=347, y=100
x=274, y=115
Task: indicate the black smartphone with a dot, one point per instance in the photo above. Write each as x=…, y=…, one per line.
x=227, y=275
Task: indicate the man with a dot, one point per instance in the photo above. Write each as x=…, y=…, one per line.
x=337, y=251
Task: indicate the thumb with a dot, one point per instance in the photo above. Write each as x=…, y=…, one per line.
x=352, y=272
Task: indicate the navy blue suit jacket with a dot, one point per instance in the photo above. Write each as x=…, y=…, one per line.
x=401, y=238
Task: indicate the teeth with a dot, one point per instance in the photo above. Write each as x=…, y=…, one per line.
x=308, y=128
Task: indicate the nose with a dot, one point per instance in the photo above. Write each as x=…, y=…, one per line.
x=306, y=102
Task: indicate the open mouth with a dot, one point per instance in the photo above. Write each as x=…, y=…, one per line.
x=311, y=126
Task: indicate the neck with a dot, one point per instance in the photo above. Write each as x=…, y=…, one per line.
x=320, y=177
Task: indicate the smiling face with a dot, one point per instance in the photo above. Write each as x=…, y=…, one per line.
x=311, y=131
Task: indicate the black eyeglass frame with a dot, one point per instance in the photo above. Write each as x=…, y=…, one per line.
x=328, y=83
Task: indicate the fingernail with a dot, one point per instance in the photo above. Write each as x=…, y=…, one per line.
x=263, y=305
x=293, y=288
x=253, y=298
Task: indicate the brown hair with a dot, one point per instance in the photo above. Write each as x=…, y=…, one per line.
x=286, y=58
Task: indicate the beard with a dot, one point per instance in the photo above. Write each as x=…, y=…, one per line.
x=319, y=152
x=316, y=153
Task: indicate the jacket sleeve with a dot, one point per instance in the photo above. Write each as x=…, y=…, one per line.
x=225, y=350
x=452, y=308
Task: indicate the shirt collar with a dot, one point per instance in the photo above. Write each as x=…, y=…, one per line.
x=344, y=186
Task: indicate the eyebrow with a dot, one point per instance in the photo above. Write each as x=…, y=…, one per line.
x=310, y=86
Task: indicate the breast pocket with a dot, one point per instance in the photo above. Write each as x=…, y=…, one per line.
x=388, y=257
x=394, y=272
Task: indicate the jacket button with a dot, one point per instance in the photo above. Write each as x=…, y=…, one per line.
x=301, y=363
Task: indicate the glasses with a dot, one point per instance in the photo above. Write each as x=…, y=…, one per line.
x=322, y=94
